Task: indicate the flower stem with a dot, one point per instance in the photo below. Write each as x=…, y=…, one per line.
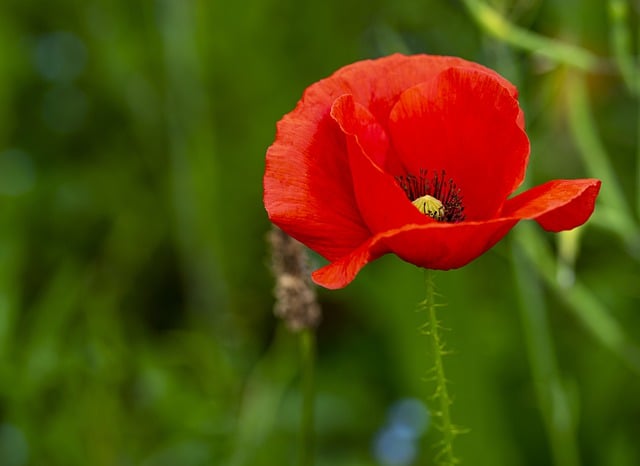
x=551, y=395
x=308, y=353
x=445, y=456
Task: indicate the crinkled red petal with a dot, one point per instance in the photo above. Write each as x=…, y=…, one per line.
x=341, y=272
x=354, y=119
x=440, y=246
x=556, y=205
x=466, y=123
x=377, y=84
x=445, y=246
x=307, y=183
x=382, y=203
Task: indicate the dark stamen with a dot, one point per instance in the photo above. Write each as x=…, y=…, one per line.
x=438, y=186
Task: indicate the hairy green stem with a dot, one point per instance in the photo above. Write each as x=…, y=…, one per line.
x=308, y=353
x=551, y=395
x=445, y=456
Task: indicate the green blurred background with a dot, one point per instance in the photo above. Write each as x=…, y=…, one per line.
x=136, y=323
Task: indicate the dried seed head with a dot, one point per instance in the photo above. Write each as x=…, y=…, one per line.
x=295, y=295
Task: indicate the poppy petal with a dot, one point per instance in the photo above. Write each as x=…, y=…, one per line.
x=341, y=272
x=556, y=205
x=382, y=203
x=307, y=182
x=434, y=246
x=467, y=123
x=376, y=84
x=444, y=246
x=354, y=119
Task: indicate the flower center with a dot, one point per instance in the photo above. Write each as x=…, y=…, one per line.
x=434, y=195
x=430, y=206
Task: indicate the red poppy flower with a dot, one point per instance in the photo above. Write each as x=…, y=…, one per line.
x=412, y=155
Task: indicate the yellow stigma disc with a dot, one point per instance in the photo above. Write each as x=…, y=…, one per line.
x=430, y=206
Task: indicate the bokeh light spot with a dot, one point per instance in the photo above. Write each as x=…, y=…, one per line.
x=60, y=56
x=409, y=414
x=396, y=443
x=14, y=450
x=393, y=448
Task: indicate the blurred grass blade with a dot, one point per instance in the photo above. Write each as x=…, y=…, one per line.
x=551, y=395
x=610, y=219
x=585, y=306
x=194, y=172
x=388, y=41
x=11, y=260
x=638, y=144
x=621, y=43
x=265, y=388
x=307, y=431
x=585, y=134
x=493, y=23
x=636, y=78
